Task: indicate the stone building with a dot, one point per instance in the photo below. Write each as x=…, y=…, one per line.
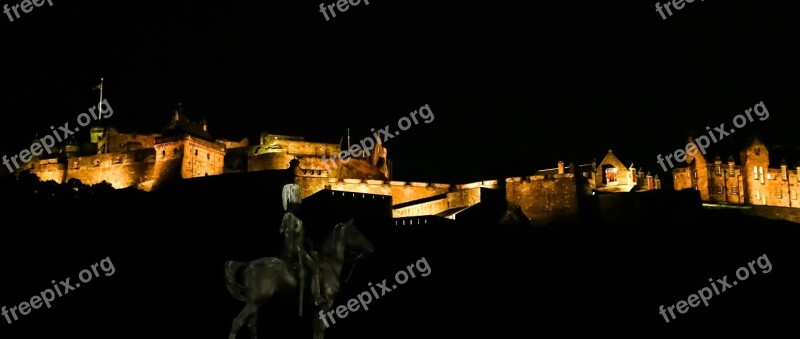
x=183, y=150
x=750, y=181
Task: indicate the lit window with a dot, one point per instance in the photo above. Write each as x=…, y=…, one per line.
x=758, y=195
x=718, y=170
x=761, y=174
x=755, y=172
x=735, y=190
x=779, y=193
x=794, y=195
x=730, y=170
x=611, y=174
x=719, y=188
x=784, y=173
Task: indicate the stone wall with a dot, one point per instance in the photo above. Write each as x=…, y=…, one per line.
x=202, y=158
x=295, y=147
x=458, y=199
x=121, y=170
x=49, y=169
x=542, y=198
x=118, y=142
x=400, y=191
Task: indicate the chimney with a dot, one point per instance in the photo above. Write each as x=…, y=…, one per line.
x=560, y=167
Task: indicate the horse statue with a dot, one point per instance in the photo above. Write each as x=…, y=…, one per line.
x=262, y=278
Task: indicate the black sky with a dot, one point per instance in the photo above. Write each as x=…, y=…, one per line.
x=513, y=87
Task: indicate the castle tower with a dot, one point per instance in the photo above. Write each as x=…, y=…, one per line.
x=755, y=163
x=186, y=150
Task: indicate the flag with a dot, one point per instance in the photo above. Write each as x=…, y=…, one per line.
x=99, y=86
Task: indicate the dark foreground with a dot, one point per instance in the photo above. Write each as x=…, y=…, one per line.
x=486, y=281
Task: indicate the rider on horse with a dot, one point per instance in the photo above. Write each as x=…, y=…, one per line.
x=294, y=251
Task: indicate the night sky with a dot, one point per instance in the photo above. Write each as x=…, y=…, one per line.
x=513, y=89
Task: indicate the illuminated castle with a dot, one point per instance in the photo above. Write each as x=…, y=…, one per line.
x=749, y=182
x=185, y=149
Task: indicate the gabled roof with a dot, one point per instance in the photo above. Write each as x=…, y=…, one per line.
x=611, y=159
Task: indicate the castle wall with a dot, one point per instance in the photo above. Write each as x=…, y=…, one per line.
x=49, y=169
x=169, y=156
x=202, y=158
x=121, y=170
x=296, y=147
x=543, y=198
x=400, y=191
x=187, y=157
x=462, y=198
x=118, y=143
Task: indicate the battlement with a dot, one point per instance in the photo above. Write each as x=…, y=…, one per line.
x=540, y=177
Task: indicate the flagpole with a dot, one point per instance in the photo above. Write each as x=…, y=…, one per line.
x=101, y=99
x=100, y=117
